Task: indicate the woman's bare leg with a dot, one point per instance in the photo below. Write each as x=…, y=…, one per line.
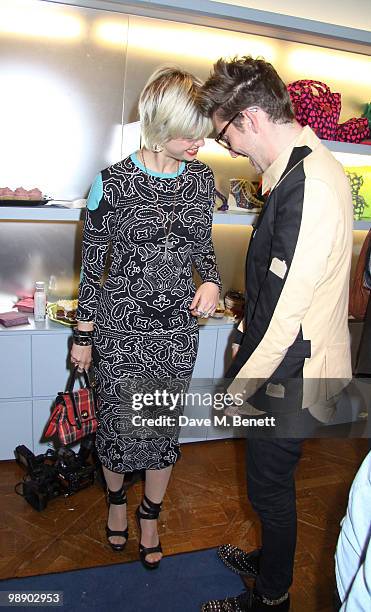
x=155, y=488
x=117, y=513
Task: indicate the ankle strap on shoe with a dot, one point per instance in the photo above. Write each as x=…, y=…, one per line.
x=269, y=601
x=152, y=511
x=117, y=497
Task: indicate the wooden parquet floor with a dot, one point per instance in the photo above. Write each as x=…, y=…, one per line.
x=205, y=506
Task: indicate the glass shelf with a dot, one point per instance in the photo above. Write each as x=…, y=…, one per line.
x=234, y=218
x=363, y=224
x=48, y=326
x=348, y=147
x=44, y=213
x=67, y=215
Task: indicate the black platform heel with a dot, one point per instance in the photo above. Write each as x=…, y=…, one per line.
x=117, y=498
x=151, y=512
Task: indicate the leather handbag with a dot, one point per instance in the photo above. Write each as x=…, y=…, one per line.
x=360, y=292
x=74, y=414
x=317, y=106
x=367, y=273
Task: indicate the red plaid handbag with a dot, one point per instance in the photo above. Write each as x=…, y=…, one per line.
x=73, y=416
x=317, y=106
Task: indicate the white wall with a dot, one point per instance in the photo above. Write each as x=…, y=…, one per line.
x=355, y=14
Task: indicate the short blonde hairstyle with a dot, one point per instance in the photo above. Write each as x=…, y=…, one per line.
x=168, y=110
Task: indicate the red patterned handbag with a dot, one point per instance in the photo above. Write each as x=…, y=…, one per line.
x=73, y=416
x=353, y=130
x=315, y=105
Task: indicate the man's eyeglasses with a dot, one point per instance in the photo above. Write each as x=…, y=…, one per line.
x=220, y=138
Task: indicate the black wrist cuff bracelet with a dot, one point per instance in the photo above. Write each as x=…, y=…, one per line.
x=82, y=338
x=81, y=332
x=82, y=341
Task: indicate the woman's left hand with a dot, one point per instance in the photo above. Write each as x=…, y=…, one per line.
x=205, y=300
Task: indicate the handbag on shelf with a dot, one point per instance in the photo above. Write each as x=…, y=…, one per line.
x=243, y=196
x=359, y=291
x=360, y=184
x=317, y=106
x=223, y=199
x=74, y=414
x=354, y=130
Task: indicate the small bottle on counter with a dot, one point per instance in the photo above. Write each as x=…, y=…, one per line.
x=39, y=299
x=52, y=289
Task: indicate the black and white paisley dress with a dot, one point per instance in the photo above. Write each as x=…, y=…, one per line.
x=143, y=332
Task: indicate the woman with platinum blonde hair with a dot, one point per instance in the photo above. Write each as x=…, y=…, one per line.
x=140, y=329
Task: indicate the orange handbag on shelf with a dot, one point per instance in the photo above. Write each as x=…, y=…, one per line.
x=73, y=416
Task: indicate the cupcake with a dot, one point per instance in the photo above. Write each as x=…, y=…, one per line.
x=6, y=193
x=35, y=194
x=21, y=194
x=66, y=309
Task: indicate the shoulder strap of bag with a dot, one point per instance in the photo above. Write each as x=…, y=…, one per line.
x=72, y=380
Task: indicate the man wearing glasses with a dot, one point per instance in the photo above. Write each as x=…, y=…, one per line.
x=292, y=350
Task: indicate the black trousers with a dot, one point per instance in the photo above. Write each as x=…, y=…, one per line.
x=271, y=467
x=364, y=353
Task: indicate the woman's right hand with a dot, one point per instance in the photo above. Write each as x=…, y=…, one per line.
x=81, y=356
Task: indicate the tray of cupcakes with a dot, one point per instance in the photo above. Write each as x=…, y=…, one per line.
x=22, y=197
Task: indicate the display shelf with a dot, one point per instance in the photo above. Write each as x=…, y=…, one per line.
x=46, y=213
x=67, y=214
x=50, y=326
x=363, y=224
x=229, y=217
x=232, y=218
x=36, y=327
x=41, y=213
x=239, y=18
x=347, y=147
x=224, y=323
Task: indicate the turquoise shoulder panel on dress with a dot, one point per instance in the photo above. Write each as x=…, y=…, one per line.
x=139, y=164
x=95, y=193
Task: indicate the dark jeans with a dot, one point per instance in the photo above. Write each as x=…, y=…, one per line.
x=271, y=466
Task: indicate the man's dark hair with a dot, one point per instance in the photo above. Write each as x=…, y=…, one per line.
x=243, y=82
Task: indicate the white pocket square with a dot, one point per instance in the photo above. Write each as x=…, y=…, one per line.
x=278, y=267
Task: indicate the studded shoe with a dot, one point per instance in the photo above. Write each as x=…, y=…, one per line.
x=248, y=601
x=239, y=561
